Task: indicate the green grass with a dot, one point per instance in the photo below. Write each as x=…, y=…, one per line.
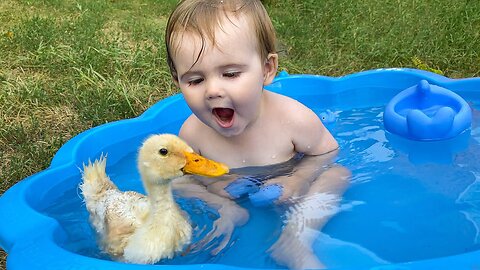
x=69, y=65
x=335, y=37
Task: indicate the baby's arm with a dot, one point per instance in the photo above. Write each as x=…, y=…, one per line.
x=311, y=137
x=298, y=182
x=321, y=183
x=230, y=214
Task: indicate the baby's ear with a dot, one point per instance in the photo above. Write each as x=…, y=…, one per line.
x=270, y=68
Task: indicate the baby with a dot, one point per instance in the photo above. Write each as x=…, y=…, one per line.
x=221, y=54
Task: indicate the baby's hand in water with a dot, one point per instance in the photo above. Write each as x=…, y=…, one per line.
x=230, y=216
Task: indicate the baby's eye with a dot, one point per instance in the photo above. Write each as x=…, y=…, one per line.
x=231, y=74
x=195, y=81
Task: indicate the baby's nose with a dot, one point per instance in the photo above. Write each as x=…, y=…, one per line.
x=214, y=90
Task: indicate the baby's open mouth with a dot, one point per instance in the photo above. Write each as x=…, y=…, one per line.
x=224, y=116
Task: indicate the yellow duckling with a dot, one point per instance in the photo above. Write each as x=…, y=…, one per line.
x=144, y=229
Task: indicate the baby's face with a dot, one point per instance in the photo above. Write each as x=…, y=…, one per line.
x=224, y=88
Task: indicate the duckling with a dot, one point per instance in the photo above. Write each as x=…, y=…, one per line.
x=143, y=229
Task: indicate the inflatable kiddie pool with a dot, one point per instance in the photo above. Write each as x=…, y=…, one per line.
x=403, y=210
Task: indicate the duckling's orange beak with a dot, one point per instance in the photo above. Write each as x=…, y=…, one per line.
x=199, y=165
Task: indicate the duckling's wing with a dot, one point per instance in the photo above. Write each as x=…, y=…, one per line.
x=124, y=213
x=127, y=207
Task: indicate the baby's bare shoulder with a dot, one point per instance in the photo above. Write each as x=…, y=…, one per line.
x=289, y=108
x=308, y=133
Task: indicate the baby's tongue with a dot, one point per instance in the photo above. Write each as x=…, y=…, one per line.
x=224, y=114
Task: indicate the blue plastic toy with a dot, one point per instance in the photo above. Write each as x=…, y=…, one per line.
x=327, y=117
x=243, y=185
x=427, y=112
x=267, y=195
x=259, y=195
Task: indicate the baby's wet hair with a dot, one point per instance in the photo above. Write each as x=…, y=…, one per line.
x=203, y=17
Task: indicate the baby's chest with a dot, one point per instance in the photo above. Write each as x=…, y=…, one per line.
x=263, y=150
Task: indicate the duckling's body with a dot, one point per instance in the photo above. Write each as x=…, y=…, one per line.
x=133, y=227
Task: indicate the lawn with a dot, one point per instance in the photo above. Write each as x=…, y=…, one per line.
x=69, y=65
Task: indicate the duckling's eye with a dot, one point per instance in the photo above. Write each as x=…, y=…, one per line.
x=163, y=152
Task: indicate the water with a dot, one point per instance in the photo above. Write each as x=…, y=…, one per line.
x=411, y=205
x=402, y=204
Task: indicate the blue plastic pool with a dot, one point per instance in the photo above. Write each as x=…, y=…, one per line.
x=411, y=205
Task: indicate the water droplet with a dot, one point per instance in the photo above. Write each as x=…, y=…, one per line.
x=274, y=156
x=308, y=147
x=243, y=161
